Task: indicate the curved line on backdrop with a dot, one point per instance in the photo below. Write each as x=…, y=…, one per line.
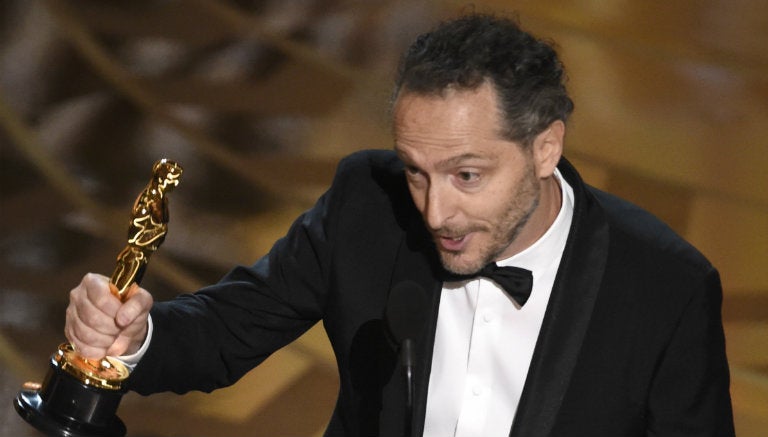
x=251, y=170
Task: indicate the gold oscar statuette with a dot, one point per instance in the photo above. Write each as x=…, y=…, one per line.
x=79, y=397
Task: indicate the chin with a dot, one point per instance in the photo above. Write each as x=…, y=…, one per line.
x=458, y=264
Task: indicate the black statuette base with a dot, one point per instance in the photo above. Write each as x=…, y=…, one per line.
x=65, y=407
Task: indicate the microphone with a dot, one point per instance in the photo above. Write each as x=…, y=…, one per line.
x=405, y=316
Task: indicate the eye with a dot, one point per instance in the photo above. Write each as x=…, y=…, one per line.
x=468, y=176
x=411, y=170
x=414, y=175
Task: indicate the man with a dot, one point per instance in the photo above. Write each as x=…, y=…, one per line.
x=621, y=334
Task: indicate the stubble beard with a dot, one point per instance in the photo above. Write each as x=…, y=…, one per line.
x=508, y=227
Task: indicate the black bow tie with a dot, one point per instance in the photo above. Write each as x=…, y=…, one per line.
x=516, y=281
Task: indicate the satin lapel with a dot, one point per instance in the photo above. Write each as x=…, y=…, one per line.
x=568, y=314
x=417, y=261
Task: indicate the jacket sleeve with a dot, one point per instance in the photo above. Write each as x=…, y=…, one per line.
x=690, y=395
x=211, y=338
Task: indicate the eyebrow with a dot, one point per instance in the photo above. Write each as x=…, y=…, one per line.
x=456, y=160
x=446, y=163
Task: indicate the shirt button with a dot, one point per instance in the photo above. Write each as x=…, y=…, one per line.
x=488, y=317
x=477, y=390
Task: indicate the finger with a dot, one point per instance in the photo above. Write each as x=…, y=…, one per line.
x=86, y=313
x=84, y=337
x=135, y=308
x=100, y=295
x=131, y=339
x=83, y=348
x=119, y=347
x=126, y=345
x=87, y=351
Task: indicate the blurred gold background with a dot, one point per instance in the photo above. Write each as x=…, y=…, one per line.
x=259, y=99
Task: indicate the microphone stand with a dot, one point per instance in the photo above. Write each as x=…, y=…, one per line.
x=406, y=361
x=404, y=316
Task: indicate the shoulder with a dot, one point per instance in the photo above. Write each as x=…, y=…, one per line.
x=370, y=185
x=372, y=174
x=636, y=236
x=643, y=232
x=370, y=163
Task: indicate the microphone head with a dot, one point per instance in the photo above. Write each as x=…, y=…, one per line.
x=406, y=311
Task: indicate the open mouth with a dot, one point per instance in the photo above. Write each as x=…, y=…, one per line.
x=452, y=244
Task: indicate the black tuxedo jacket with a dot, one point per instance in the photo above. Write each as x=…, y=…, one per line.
x=631, y=345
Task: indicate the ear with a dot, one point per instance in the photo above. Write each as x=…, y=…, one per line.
x=548, y=148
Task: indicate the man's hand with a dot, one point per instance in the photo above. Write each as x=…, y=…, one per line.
x=98, y=324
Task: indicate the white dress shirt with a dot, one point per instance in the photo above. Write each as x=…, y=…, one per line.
x=484, y=341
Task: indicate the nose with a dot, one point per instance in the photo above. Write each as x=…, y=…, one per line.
x=438, y=206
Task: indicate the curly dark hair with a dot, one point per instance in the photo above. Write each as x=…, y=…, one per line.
x=464, y=53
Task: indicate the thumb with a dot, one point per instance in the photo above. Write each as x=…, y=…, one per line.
x=137, y=304
x=123, y=345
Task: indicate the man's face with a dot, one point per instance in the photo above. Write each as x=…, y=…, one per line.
x=475, y=190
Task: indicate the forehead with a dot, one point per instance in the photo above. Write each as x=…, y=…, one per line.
x=455, y=122
x=451, y=104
